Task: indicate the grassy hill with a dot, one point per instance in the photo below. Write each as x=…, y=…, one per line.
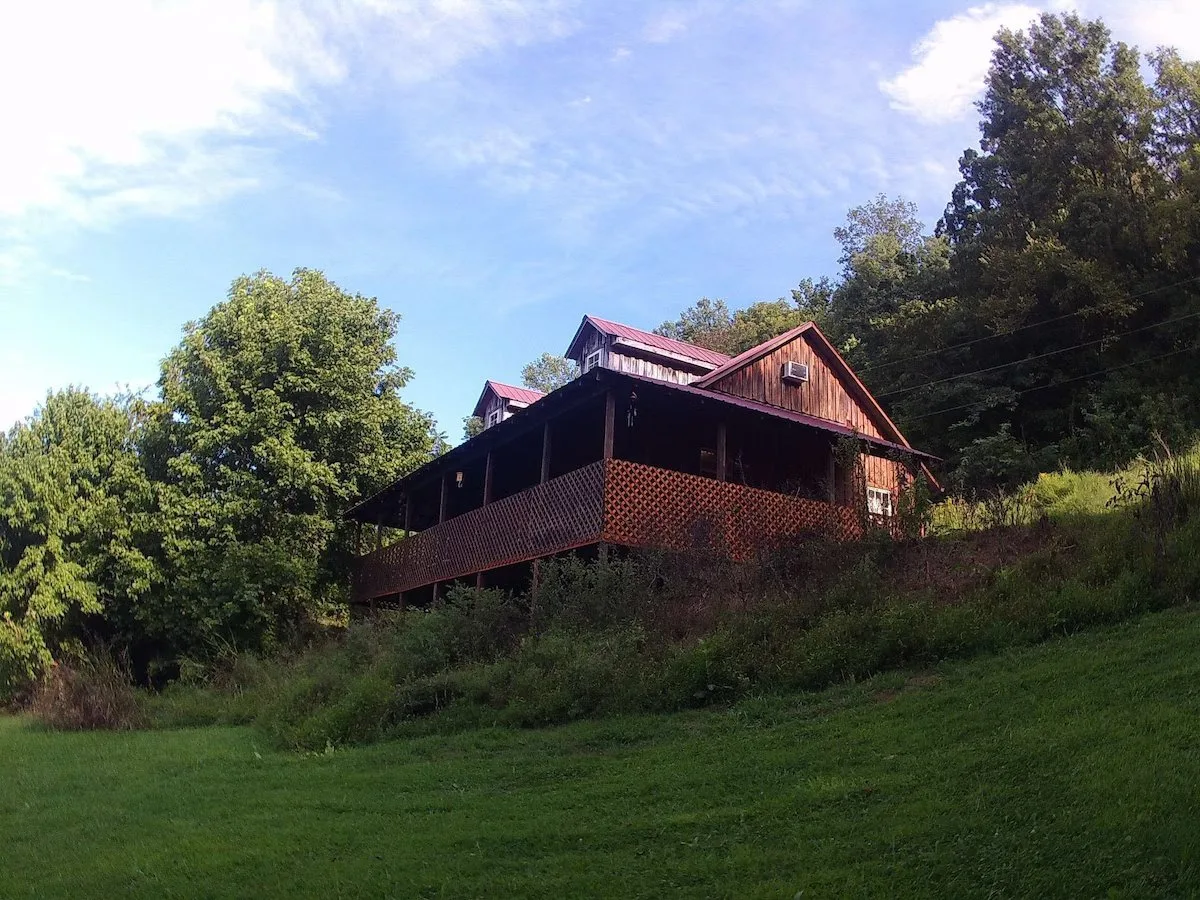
x=1064, y=770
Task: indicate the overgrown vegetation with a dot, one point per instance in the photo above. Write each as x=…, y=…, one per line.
x=669, y=632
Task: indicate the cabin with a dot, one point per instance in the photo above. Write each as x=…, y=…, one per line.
x=656, y=443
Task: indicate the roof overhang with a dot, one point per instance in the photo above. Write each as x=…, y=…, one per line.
x=581, y=390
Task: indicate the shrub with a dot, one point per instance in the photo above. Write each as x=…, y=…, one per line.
x=92, y=694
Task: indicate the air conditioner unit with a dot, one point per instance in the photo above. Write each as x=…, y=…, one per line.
x=795, y=372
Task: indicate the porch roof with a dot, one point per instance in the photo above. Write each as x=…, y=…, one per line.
x=575, y=393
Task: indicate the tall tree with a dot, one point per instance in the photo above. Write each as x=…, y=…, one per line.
x=75, y=537
x=548, y=373
x=279, y=408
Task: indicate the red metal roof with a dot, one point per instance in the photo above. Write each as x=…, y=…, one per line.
x=506, y=392
x=666, y=344
x=519, y=394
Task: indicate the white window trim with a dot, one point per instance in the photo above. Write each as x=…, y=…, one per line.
x=592, y=360
x=495, y=417
x=879, y=501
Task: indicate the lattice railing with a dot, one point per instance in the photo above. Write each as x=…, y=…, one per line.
x=563, y=513
x=649, y=507
x=615, y=501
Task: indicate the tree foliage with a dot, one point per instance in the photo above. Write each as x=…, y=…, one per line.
x=548, y=373
x=278, y=409
x=74, y=529
x=1053, y=316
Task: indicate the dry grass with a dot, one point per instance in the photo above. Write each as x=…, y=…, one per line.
x=95, y=694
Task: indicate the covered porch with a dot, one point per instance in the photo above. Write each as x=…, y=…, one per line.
x=610, y=459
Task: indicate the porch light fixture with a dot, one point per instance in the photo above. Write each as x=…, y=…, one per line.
x=458, y=478
x=631, y=412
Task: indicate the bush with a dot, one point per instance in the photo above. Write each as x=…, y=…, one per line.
x=93, y=694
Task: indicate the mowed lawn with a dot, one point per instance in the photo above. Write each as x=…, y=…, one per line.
x=1067, y=770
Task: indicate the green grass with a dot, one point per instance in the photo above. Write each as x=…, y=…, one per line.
x=1070, y=769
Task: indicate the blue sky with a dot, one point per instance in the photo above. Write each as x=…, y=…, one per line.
x=490, y=169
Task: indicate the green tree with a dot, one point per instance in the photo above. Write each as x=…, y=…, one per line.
x=472, y=425
x=706, y=323
x=74, y=529
x=279, y=409
x=548, y=373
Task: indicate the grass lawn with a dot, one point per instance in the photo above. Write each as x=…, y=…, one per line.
x=1070, y=769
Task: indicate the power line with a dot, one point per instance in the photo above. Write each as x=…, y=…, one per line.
x=1042, y=387
x=990, y=337
x=1017, y=362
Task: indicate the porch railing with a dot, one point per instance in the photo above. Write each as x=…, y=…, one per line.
x=616, y=501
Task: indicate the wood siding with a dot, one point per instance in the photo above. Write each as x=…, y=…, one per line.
x=621, y=359
x=823, y=395
x=635, y=365
x=882, y=472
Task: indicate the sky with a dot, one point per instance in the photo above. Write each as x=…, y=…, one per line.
x=492, y=170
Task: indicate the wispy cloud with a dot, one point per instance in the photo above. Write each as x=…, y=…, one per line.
x=950, y=62
x=136, y=107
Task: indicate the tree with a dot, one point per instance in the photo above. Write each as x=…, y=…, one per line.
x=548, y=373
x=74, y=529
x=472, y=425
x=707, y=323
x=279, y=409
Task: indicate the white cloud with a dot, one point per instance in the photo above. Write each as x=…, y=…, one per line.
x=141, y=107
x=951, y=61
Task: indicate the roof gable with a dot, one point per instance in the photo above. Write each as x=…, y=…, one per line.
x=669, y=346
x=723, y=378
x=505, y=392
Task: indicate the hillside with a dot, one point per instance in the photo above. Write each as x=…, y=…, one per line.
x=1068, y=769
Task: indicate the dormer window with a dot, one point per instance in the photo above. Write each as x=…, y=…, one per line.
x=592, y=360
x=495, y=417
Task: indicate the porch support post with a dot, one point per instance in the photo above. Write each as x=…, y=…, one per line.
x=487, y=480
x=444, y=502
x=408, y=512
x=479, y=581
x=610, y=423
x=831, y=474
x=379, y=532
x=545, y=453
x=357, y=538
x=722, y=436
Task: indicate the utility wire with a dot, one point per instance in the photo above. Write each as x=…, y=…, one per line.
x=1054, y=384
x=1017, y=362
x=990, y=337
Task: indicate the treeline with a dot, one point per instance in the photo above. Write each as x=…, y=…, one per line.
x=206, y=517
x=1052, y=317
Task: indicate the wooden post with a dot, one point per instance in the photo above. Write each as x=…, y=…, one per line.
x=610, y=423
x=437, y=592
x=479, y=581
x=407, y=513
x=487, y=480
x=357, y=538
x=721, y=452
x=831, y=474
x=545, y=453
x=444, y=502
x=379, y=533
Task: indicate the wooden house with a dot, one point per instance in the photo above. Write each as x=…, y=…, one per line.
x=657, y=443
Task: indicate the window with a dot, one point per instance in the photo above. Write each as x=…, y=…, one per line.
x=592, y=360
x=879, y=501
x=495, y=417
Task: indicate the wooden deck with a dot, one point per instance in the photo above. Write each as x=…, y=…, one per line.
x=612, y=501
